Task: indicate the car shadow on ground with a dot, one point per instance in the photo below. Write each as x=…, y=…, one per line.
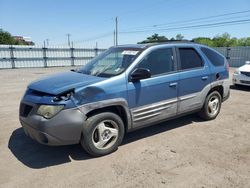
x=239, y=87
x=35, y=155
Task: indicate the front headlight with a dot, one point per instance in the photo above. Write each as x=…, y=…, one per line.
x=237, y=71
x=48, y=111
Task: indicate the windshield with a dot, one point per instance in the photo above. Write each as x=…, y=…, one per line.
x=112, y=62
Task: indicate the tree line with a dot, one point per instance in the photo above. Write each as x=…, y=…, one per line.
x=224, y=40
x=8, y=39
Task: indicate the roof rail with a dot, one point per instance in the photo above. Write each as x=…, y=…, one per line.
x=169, y=41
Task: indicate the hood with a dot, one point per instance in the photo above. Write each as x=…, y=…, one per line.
x=245, y=68
x=62, y=82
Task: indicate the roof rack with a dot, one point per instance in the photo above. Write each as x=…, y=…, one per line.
x=170, y=41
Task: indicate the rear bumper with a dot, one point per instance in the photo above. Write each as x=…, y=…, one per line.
x=63, y=129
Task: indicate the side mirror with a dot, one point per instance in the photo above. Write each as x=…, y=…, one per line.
x=139, y=74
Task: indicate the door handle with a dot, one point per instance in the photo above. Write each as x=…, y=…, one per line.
x=204, y=77
x=174, y=84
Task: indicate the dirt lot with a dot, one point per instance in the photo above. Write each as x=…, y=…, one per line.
x=187, y=152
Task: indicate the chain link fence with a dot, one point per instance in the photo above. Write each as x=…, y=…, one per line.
x=26, y=56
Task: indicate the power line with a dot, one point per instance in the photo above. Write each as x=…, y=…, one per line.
x=211, y=26
x=160, y=27
x=191, y=20
x=217, y=24
x=104, y=35
x=185, y=27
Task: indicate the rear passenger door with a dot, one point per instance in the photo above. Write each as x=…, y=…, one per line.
x=193, y=79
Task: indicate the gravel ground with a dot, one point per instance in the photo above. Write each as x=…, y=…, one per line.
x=186, y=152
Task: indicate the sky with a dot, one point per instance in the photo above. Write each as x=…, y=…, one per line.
x=92, y=21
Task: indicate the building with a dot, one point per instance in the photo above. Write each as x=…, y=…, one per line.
x=23, y=40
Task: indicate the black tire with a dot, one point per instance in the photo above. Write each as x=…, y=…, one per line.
x=89, y=133
x=205, y=112
x=236, y=85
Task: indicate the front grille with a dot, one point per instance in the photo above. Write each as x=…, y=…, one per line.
x=245, y=82
x=246, y=73
x=25, y=109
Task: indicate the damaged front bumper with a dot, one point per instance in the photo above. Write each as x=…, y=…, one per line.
x=63, y=129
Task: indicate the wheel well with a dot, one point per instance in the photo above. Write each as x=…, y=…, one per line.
x=118, y=110
x=219, y=89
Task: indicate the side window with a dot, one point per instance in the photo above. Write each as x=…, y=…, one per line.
x=215, y=58
x=189, y=58
x=159, y=61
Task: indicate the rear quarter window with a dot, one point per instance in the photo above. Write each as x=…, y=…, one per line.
x=190, y=59
x=215, y=58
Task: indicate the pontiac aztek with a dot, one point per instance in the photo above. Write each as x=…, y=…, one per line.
x=125, y=88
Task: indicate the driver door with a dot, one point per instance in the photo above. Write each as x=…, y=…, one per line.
x=155, y=98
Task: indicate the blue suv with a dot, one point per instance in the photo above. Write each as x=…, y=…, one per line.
x=123, y=89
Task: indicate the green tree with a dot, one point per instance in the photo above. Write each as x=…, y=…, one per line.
x=154, y=38
x=179, y=37
x=6, y=38
x=225, y=40
x=244, y=41
x=204, y=40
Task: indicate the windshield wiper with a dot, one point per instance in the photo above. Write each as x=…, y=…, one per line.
x=102, y=71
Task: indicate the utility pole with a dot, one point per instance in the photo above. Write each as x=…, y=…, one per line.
x=47, y=41
x=68, y=35
x=44, y=43
x=116, y=30
x=114, y=37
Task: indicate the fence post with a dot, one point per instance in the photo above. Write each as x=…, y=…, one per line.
x=96, y=51
x=72, y=56
x=228, y=53
x=12, y=57
x=45, y=57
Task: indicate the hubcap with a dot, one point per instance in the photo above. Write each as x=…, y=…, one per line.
x=213, y=105
x=105, y=134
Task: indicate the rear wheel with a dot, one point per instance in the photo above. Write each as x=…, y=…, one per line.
x=102, y=134
x=211, y=106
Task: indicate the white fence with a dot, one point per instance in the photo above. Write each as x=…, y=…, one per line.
x=31, y=56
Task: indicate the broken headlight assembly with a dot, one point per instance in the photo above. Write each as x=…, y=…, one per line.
x=64, y=96
x=49, y=111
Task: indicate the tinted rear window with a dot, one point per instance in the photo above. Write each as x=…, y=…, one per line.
x=215, y=58
x=189, y=58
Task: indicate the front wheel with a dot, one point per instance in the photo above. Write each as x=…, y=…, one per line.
x=102, y=133
x=211, y=106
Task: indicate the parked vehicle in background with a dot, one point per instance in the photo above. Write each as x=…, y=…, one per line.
x=126, y=88
x=242, y=75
